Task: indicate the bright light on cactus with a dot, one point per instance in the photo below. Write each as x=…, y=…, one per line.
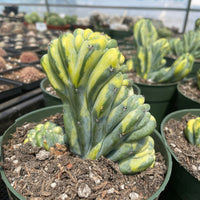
x=101, y=112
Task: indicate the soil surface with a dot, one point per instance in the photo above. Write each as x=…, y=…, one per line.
x=190, y=89
x=187, y=154
x=59, y=174
x=4, y=87
x=25, y=75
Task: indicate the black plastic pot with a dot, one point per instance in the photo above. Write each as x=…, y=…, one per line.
x=161, y=98
x=38, y=115
x=16, y=90
x=51, y=99
x=25, y=86
x=183, y=101
x=182, y=184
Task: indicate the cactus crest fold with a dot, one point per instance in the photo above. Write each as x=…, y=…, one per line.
x=102, y=115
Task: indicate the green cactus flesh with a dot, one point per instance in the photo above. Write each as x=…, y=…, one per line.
x=101, y=112
x=45, y=135
x=150, y=62
x=192, y=131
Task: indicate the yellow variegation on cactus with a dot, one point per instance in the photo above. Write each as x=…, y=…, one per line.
x=150, y=62
x=102, y=115
x=192, y=131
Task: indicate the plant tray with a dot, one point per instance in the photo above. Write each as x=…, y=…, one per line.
x=25, y=86
x=14, y=89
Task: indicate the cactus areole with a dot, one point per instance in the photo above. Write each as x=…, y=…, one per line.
x=102, y=115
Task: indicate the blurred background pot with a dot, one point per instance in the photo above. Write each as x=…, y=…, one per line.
x=182, y=185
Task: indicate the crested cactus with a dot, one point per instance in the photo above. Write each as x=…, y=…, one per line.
x=192, y=131
x=150, y=62
x=198, y=79
x=45, y=135
x=102, y=115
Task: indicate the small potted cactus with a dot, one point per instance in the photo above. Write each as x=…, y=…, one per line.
x=151, y=73
x=189, y=92
x=188, y=43
x=101, y=114
x=181, y=133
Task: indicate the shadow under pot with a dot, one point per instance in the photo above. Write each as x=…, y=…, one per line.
x=51, y=97
x=188, y=94
x=53, y=113
x=184, y=183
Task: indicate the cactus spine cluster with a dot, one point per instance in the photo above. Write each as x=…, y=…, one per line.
x=150, y=63
x=192, y=131
x=102, y=115
x=45, y=135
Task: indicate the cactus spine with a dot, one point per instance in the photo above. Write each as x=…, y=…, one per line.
x=101, y=112
x=192, y=131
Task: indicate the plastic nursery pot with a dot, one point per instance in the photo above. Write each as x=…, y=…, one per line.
x=161, y=98
x=183, y=101
x=118, y=34
x=49, y=98
x=183, y=186
x=38, y=115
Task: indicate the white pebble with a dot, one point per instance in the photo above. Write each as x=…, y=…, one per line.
x=43, y=155
x=122, y=187
x=172, y=144
x=199, y=168
x=53, y=185
x=63, y=196
x=94, y=178
x=84, y=190
x=111, y=191
x=194, y=168
x=15, y=161
x=13, y=157
x=15, y=146
x=18, y=169
x=177, y=150
x=134, y=196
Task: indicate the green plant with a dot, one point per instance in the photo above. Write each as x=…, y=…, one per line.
x=192, y=131
x=55, y=21
x=102, y=115
x=197, y=24
x=49, y=14
x=164, y=32
x=33, y=18
x=198, y=78
x=70, y=19
x=150, y=62
x=45, y=135
x=190, y=43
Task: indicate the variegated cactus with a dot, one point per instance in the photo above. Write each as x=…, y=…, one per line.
x=192, y=131
x=150, y=63
x=190, y=43
x=102, y=115
x=46, y=135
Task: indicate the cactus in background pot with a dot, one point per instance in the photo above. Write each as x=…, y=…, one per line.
x=150, y=63
x=192, y=131
x=197, y=24
x=102, y=115
x=190, y=43
x=45, y=135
